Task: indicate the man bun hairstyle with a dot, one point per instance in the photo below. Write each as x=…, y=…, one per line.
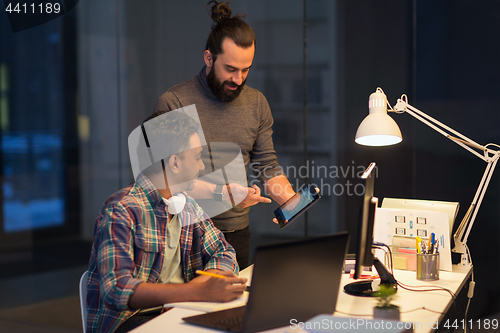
x=221, y=10
x=226, y=26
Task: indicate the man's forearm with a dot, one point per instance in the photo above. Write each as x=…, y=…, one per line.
x=149, y=295
x=279, y=188
x=204, y=190
x=202, y=288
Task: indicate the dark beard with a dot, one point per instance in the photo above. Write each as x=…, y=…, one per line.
x=218, y=88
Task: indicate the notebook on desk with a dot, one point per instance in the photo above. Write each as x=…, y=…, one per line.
x=292, y=280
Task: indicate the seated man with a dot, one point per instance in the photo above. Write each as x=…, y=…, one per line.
x=150, y=238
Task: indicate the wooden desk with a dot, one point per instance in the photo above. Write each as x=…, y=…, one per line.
x=424, y=310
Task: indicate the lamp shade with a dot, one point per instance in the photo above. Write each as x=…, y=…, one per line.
x=378, y=128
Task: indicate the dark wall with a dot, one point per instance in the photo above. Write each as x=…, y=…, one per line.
x=375, y=51
x=458, y=82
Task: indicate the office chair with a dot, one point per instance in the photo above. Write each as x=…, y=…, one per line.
x=83, y=299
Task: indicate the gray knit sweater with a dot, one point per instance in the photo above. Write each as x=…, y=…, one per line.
x=246, y=121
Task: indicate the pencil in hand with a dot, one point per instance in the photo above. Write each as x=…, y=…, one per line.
x=199, y=272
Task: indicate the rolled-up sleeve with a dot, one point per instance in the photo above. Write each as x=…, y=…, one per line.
x=222, y=255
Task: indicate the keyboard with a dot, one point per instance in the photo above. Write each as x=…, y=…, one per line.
x=231, y=324
x=230, y=320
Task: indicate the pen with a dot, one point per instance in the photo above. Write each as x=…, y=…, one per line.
x=210, y=274
x=418, y=244
x=432, y=241
x=437, y=246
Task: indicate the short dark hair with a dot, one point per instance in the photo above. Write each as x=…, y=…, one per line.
x=175, y=132
x=226, y=26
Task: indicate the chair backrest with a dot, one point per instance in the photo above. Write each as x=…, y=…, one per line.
x=83, y=299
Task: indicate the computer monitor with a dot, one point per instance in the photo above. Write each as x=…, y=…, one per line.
x=364, y=254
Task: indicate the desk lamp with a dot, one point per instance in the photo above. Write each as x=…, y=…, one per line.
x=379, y=129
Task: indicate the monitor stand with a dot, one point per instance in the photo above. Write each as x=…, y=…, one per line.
x=364, y=287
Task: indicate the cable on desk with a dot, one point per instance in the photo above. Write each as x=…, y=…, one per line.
x=470, y=293
x=433, y=288
x=354, y=315
x=423, y=308
x=415, y=288
x=427, y=288
x=378, y=245
x=406, y=287
x=369, y=315
x=453, y=295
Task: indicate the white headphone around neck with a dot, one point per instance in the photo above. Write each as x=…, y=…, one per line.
x=175, y=204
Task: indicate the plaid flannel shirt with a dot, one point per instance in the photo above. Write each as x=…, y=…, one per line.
x=129, y=239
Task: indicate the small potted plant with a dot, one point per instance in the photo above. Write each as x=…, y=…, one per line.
x=384, y=308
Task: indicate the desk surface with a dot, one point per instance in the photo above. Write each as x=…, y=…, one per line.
x=423, y=309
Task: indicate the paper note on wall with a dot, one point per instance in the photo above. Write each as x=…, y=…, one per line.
x=408, y=224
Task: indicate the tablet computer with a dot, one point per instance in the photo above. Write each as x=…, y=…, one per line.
x=296, y=205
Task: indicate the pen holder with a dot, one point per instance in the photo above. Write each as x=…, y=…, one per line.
x=427, y=266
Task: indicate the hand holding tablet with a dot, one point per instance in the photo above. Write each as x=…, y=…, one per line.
x=296, y=205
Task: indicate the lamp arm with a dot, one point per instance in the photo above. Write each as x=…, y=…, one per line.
x=463, y=141
x=462, y=234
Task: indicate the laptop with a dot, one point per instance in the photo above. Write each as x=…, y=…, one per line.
x=293, y=280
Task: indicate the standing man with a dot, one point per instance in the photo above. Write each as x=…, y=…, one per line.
x=151, y=237
x=230, y=111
